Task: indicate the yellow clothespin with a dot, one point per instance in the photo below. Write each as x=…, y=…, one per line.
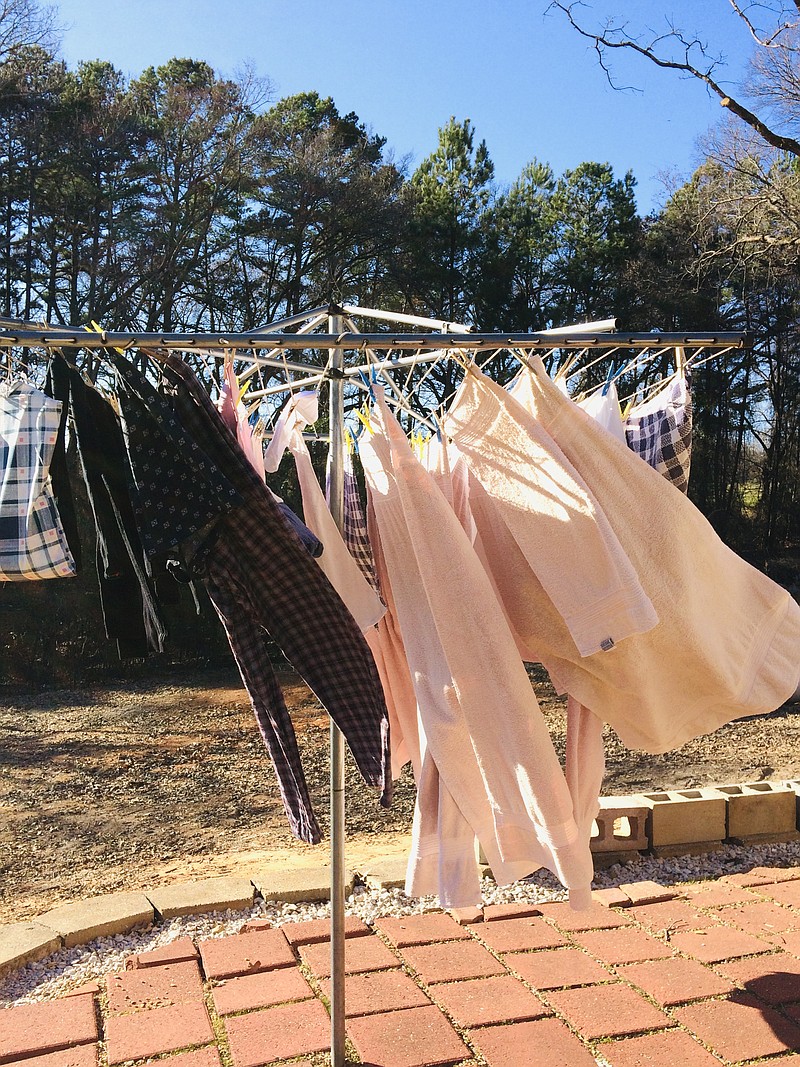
x=364, y=419
x=99, y=329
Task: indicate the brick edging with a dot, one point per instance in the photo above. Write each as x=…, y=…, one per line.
x=660, y=822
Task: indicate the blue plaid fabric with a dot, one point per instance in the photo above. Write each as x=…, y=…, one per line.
x=660, y=431
x=33, y=544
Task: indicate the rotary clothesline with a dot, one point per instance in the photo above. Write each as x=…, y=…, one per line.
x=427, y=347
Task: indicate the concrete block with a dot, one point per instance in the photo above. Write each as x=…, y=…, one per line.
x=209, y=894
x=313, y=883
x=620, y=825
x=685, y=816
x=760, y=810
x=104, y=916
x=22, y=943
x=696, y=848
x=385, y=874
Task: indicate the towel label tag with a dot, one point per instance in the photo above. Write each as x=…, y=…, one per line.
x=607, y=644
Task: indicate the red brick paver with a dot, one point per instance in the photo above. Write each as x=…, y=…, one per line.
x=366, y=994
x=672, y=915
x=718, y=943
x=315, y=931
x=787, y=892
x=31, y=1028
x=154, y=987
x=421, y=929
x=611, y=898
x=78, y=1056
x=260, y=950
x=740, y=1027
x=452, y=960
x=597, y=917
x=517, y=935
x=278, y=1033
x=482, y=1001
x=764, y=918
x=622, y=946
x=544, y=1043
x=149, y=1033
x=360, y=954
x=494, y=912
x=261, y=990
x=556, y=968
x=607, y=1010
x=675, y=981
x=200, y=1057
x=668, y=1048
x=412, y=1037
x=177, y=951
x=648, y=892
x=774, y=979
x=717, y=894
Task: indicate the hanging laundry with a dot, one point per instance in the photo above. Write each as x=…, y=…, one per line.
x=552, y=515
x=234, y=415
x=342, y=571
x=660, y=430
x=33, y=545
x=261, y=580
x=727, y=637
x=489, y=769
x=354, y=527
x=177, y=491
x=603, y=406
x=127, y=596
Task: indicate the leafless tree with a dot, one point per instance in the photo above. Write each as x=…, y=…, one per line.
x=24, y=23
x=767, y=100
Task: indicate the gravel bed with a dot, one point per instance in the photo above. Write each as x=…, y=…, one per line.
x=70, y=968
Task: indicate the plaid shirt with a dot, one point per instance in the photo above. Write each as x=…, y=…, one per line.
x=660, y=431
x=32, y=540
x=262, y=580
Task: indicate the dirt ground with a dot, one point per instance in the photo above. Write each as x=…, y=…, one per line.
x=141, y=783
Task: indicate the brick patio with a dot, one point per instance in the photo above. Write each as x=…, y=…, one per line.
x=709, y=975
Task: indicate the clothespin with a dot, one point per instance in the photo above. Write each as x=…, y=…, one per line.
x=369, y=382
x=364, y=419
x=96, y=328
x=610, y=377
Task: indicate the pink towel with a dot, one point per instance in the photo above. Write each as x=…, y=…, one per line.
x=551, y=513
x=728, y=639
x=495, y=766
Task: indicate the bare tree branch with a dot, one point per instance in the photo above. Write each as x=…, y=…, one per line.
x=764, y=42
x=615, y=38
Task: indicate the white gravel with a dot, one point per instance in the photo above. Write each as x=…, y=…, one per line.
x=66, y=970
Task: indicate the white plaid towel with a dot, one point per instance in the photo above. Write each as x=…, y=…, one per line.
x=660, y=431
x=32, y=540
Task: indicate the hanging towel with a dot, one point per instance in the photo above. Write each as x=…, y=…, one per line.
x=496, y=769
x=552, y=515
x=33, y=545
x=728, y=639
x=660, y=431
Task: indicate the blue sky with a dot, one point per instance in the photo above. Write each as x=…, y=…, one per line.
x=530, y=85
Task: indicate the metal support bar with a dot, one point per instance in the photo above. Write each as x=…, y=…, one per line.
x=336, y=504
x=472, y=342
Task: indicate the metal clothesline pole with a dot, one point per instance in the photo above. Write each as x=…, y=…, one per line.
x=336, y=504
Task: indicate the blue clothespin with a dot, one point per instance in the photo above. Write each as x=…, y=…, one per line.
x=369, y=384
x=610, y=377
